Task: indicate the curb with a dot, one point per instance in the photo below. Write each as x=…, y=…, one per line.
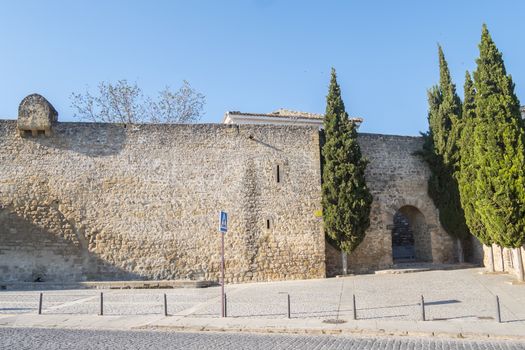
x=153, y=325
x=334, y=332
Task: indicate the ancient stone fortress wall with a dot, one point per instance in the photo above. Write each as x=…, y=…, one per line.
x=397, y=179
x=108, y=201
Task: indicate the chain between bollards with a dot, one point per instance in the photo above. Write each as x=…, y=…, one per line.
x=165, y=305
x=423, y=316
x=422, y=303
x=40, y=304
x=101, y=304
x=498, y=310
x=354, y=308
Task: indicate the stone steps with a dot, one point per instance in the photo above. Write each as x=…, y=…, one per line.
x=106, y=285
x=420, y=267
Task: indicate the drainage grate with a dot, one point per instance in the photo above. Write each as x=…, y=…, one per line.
x=334, y=321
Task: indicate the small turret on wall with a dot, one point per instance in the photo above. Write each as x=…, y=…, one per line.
x=36, y=116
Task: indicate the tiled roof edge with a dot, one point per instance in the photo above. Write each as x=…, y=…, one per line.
x=289, y=116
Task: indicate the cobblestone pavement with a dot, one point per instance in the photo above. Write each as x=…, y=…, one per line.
x=44, y=339
x=457, y=296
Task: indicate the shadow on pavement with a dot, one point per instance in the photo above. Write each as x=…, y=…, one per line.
x=441, y=302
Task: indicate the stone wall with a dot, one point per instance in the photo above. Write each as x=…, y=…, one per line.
x=106, y=201
x=398, y=181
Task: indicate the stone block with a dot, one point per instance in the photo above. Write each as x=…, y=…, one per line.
x=36, y=116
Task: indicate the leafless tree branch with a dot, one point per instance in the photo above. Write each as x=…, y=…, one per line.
x=124, y=102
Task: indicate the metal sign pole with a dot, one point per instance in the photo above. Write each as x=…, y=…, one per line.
x=222, y=274
x=223, y=228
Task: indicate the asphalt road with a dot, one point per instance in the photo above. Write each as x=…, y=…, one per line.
x=43, y=339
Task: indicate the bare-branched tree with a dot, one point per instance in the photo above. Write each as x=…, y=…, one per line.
x=124, y=102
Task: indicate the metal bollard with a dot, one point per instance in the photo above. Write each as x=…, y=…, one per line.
x=165, y=305
x=40, y=304
x=288, y=297
x=101, y=304
x=225, y=306
x=355, y=309
x=423, y=316
x=498, y=310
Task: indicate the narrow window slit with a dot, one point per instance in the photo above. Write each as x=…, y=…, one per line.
x=267, y=224
x=278, y=174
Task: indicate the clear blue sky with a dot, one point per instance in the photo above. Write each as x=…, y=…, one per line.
x=255, y=55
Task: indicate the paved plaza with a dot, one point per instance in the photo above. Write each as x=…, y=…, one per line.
x=456, y=295
x=456, y=302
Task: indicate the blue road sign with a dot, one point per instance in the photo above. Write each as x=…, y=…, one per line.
x=223, y=222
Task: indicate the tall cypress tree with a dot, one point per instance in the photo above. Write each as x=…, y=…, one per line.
x=441, y=151
x=499, y=152
x=346, y=199
x=448, y=112
x=468, y=169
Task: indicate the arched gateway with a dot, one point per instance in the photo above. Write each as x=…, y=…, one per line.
x=404, y=222
x=411, y=240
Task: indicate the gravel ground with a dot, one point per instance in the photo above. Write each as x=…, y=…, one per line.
x=44, y=339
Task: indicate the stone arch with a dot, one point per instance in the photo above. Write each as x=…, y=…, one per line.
x=411, y=239
x=423, y=205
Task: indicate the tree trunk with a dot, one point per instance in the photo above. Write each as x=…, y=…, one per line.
x=491, y=259
x=345, y=262
x=461, y=256
x=502, y=259
x=519, y=266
